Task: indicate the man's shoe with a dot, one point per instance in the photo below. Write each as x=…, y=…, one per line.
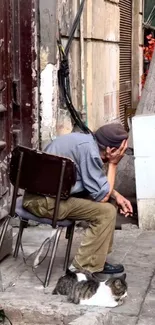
x=108, y=269
x=112, y=269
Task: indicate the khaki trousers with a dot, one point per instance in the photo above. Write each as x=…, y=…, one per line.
x=98, y=239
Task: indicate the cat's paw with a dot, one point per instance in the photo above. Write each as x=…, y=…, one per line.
x=112, y=304
x=120, y=302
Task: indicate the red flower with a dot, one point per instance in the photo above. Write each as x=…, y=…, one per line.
x=148, y=53
x=149, y=36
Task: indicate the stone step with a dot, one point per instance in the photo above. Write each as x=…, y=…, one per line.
x=7, y=244
x=34, y=317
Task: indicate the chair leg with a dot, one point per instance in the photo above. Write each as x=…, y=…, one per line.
x=69, y=236
x=52, y=258
x=23, y=224
x=4, y=229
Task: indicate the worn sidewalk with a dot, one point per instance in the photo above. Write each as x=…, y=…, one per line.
x=27, y=302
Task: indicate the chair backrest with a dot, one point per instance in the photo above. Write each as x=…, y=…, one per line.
x=41, y=173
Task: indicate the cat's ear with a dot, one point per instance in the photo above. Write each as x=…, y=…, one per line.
x=123, y=277
x=109, y=281
x=69, y=272
x=118, y=283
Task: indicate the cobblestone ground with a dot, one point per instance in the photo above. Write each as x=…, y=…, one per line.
x=27, y=302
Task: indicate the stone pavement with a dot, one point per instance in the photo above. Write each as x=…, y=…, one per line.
x=27, y=302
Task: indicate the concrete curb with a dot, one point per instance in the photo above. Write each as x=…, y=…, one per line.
x=55, y=315
x=96, y=318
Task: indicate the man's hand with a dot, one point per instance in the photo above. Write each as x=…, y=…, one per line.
x=115, y=155
x=126, y=207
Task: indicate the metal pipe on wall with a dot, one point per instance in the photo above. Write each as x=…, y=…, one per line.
x=82, y=71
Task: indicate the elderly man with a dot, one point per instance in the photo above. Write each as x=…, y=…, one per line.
x=89, y=153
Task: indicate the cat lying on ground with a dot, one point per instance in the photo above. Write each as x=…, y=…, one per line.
x=83, y=289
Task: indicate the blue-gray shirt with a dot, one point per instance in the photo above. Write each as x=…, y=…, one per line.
x=83, y=150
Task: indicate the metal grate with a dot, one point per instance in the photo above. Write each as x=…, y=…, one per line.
x=125, y=56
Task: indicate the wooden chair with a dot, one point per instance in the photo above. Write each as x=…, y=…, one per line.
x=42, y=174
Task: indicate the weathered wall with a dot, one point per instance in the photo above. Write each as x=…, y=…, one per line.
x=101, y=62
x=104, y=63
x=125, y=179
x=137, y=51
x=48, y=69
x=101, y=33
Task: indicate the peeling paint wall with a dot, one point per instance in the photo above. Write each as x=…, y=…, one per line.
x=48, y=90
x=54, y=119
x=35, y=76
x=137, y=51
x=101, y=63
x=48, y=70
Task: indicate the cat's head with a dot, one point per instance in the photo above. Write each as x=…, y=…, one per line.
x=118, y=286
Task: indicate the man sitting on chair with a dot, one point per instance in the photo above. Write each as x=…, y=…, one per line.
x=89, y=153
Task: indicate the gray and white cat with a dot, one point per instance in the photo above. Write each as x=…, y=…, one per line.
x=83, y=289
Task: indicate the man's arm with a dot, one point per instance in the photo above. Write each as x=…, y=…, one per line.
x=126, y=207
x=111, y=180
x=114, y=156
x=115, y=194
x=94, y=181
x=93, y=178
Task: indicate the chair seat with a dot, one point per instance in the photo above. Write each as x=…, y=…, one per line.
x=24, y=214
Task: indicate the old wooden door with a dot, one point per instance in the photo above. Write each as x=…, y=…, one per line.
x=25, y=82
x=5, y=102
x=19, y=83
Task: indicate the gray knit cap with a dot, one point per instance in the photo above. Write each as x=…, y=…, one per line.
x=111, y=135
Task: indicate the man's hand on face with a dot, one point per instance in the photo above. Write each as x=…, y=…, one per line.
x=125, y=205
x=114, y=155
